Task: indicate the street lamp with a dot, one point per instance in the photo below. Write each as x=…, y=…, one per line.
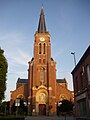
x=55, y=108
x=25, y=105
x=57, y=105
x=73, y=53
x=28, y=108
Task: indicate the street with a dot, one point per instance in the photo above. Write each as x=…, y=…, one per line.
x=48, y=118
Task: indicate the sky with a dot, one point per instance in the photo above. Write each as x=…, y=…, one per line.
x=68, y=22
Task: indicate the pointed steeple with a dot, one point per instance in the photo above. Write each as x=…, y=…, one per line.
x=42, y=25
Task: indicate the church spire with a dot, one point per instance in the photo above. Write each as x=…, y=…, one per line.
x=42, y=25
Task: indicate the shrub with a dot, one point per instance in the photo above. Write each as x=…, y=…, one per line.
x=11, y=118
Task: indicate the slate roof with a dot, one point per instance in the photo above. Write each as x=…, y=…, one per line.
x=52, y=59
x=42, y=25
x=22, y=80
x=32, y=59
x=61, y=80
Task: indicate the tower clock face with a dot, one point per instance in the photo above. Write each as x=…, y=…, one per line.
x=42, y=39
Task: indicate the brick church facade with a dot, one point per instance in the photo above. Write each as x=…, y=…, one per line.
x=41, y=91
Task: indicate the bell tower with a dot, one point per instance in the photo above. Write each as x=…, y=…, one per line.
x=42, y=51
x=42, y=47
x=42, y=70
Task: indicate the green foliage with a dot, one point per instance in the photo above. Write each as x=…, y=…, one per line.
x=66, y=106
x=4, y=108
x=11, y=118
x=3, y=72
x=22, y=109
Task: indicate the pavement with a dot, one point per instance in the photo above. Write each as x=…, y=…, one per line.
x=49, y=118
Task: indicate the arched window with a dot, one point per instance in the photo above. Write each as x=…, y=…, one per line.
x=41, y=75
x=44, y=48
x=63, y=97
x=42, y=97
x=40, y=48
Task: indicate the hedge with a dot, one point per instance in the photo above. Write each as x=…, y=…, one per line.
x=11, y=118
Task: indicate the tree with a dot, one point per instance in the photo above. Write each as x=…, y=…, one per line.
x=3, y=74
x=5, y=107
x=22, y=109
x=66, y=106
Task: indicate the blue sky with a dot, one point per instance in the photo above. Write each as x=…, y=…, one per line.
x=68, y=22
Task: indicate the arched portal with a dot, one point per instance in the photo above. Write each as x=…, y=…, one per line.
x=41, y=100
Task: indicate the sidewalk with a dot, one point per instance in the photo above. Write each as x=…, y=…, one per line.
x=48, y=118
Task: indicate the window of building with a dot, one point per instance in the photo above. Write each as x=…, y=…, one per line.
x=81, y=79
x=76, y=84
x=42, y=75
x=82, y=107
x=42, y=97
x=44, y=48
x=40, y=48
x=88, y=73
x=39, y=60
x=43, y=60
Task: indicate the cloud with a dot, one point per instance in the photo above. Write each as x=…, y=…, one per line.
x=20, y=74
x=12, y=42
x=16, y=54
x=14, y=46
x=21, y=57
x=10, y=38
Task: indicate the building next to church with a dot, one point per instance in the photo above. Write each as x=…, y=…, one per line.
x=81, y=82
x=41, y=91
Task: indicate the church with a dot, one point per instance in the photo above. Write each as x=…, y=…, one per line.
x=41, y=91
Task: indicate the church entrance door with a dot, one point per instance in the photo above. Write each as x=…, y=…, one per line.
x=42, y=109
